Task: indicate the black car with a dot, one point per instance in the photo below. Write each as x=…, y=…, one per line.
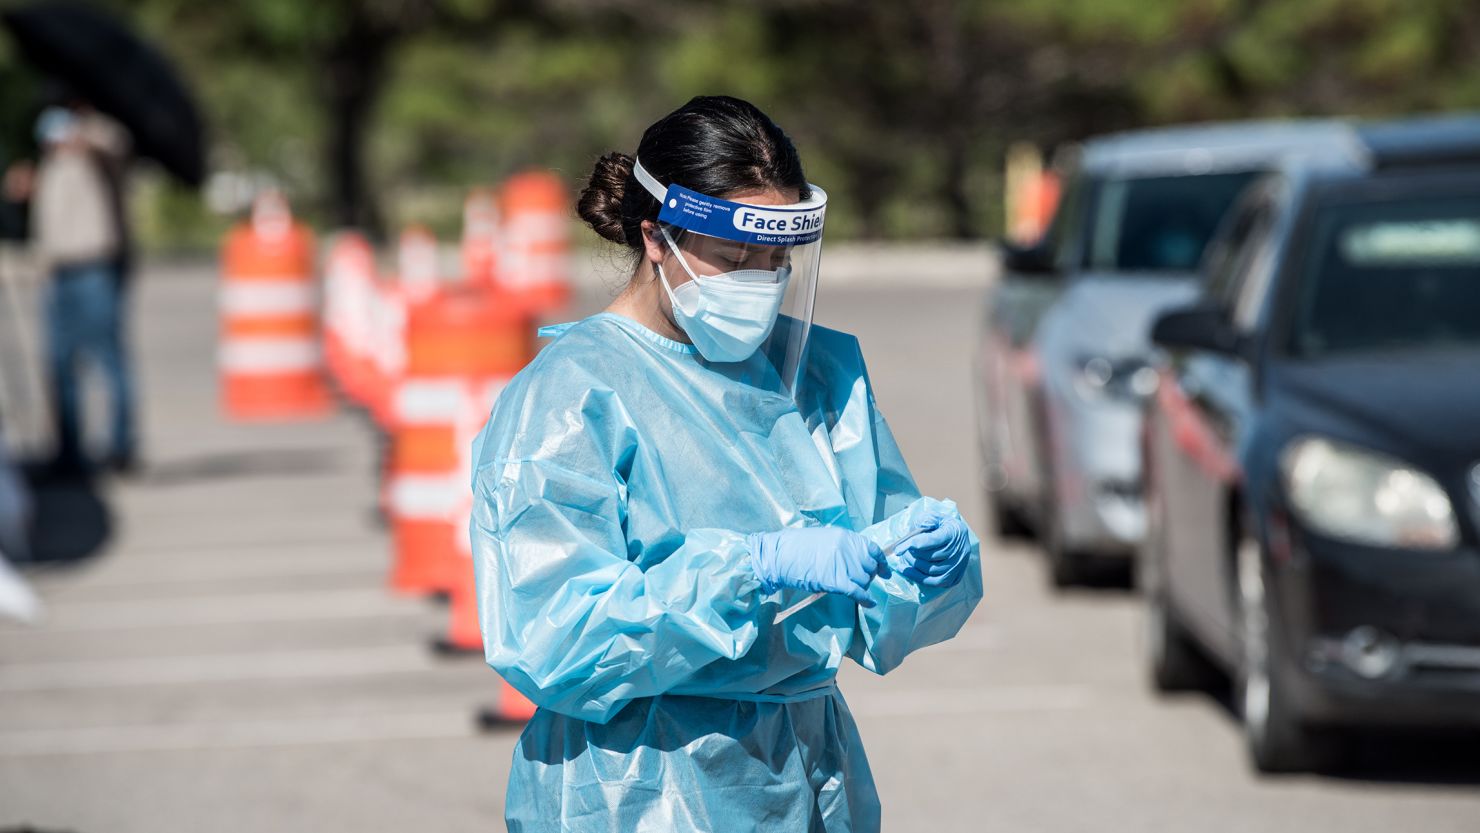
x=1312, y=454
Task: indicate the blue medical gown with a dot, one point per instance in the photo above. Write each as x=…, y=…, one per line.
x=614, y=486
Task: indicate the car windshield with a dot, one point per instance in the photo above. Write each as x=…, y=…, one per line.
x=1159, y=224
x=1401, y=274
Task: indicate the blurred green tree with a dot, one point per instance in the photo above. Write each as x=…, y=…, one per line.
x=902, y=109
x=333, y=53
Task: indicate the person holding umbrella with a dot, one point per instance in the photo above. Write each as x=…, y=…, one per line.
x=81, y=237
x=125, y=100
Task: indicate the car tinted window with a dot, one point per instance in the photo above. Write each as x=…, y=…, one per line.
x=1154, y=224
x=1402, y=274
x=1063, y=233
x=1252, y=265
x=1254, y=277
x=1231, y=252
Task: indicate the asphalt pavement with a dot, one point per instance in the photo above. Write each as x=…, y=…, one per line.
x=230, y=659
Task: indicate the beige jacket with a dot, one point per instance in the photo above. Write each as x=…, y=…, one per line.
x=76, y=213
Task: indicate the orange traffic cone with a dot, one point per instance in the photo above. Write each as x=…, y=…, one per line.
x=512, y=709
x=389, y=305
x=416, y=282
x=269, y=353
x=461, y=348
x=480, y=237
x=535, y=259
x=418, y=263
x=464, y=634
x=349, y=276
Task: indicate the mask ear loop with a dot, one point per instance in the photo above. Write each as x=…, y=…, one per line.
x=663, y=279
x=647, y=181
x=673, y=247
x=672, y=298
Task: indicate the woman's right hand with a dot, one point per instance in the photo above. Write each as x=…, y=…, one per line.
x=827, y=558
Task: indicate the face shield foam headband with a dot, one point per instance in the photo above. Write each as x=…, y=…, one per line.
x=729, y=315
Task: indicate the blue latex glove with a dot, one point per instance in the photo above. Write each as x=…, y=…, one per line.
x=938, y=553
x=826, y=559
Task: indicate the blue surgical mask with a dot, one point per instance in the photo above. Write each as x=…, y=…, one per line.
x=728, y=315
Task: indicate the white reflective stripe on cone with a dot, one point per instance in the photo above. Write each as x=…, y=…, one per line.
x=269, y=355
x=389, y=340
x=531, y=269
x=422, y=401
x=536, y=227
x=470, y=421
x=426, y=496
x=261, y=297
x=336, y=299
x=359, y=318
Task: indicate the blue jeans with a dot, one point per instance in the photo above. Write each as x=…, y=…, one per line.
x=84, y=319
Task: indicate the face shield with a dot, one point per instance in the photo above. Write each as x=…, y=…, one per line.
x=745, y=281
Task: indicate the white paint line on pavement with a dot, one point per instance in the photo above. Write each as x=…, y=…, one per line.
x=265, y=534
x=987, y=698
x=453, y=723
x=306, y=731
x=131, y=571
x=247, y=509
x=186, y=549
x=215, y=668
x=256, y=534
x=326, y=605
x=979, y=639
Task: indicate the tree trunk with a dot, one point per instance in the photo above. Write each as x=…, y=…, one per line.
x=870, y=185
x=955, y=147
x=355, y=66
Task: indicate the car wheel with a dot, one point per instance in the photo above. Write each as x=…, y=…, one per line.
x=1173, y=658
x=1066, y=567
x=1278, y=739
x=1008, y=518
x=1011, y=521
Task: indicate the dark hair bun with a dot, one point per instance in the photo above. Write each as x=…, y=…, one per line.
x=601, y=201
x=715, y=145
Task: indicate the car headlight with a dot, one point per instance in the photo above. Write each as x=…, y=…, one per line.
x=1126, y=379
x=1347, y=492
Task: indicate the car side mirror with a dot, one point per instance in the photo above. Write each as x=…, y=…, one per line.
x=1197, y=328
x=1036, y=259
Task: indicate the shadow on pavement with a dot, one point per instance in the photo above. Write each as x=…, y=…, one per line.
x=1098, y=576
x=71, y=523
x=1428, y=758
x=1110, y=575
x=242, y=464
x=1419, y=757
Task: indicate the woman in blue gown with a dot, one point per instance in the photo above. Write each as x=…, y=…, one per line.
x=670, y=475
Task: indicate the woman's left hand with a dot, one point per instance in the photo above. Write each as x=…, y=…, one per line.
x=937, y=555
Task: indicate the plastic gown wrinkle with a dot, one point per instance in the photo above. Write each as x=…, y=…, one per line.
x=615, y=484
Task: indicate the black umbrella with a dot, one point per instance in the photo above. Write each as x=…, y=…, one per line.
x=111, y=68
